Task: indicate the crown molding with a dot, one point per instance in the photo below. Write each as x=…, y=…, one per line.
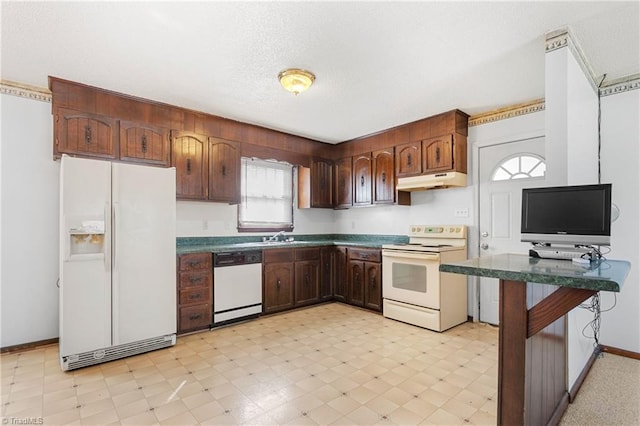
x=25, y=91
x=508, y=112
x=621, y=85
x=562, y=38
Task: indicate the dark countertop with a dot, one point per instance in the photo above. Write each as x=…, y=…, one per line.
x=604, y=275
x=223, y=244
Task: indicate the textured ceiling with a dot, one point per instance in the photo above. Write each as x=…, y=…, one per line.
x=378, y=64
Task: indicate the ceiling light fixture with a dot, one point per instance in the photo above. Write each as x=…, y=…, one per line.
x=296, y=80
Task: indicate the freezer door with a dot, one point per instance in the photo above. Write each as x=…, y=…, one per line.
x=144, y=252
x=85, y=255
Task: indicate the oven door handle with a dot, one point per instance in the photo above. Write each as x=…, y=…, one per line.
x=400, y=254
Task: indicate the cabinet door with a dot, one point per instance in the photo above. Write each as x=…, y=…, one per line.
x=343, y=183
x=278, y=286
x=409, y=159
x=327, y=271
x=188, y=157
x=383, y=177
x=144, y=144
x=438, y=154
x=356, y=283
x=341, y=274
x=362, y=179
x=307, y=276
x=321, y=183
x=85, y=134
x=224, y=171
x=373, y=289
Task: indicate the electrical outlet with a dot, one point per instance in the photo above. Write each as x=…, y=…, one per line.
x=461, y=212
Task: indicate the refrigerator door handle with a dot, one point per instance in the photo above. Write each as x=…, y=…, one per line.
x=107, y=246
x=114, y=232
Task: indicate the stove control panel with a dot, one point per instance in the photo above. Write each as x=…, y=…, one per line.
x=440, y=231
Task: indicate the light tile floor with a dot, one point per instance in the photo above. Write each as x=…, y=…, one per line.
x=328, y=364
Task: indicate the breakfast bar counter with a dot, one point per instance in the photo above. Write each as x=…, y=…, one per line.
x=535, y=295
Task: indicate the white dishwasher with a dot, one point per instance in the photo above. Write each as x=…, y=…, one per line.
x=237, y=286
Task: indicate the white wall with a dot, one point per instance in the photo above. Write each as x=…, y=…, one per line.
x=29, y=257
x=572, y=152
x=620, y=327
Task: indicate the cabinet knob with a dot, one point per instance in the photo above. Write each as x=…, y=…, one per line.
x=384, y=177
x=144, y=144
x=362, y=180
x=437, y=154
x=278, y=284
x=195, y=317
x=224, y=170
x=189, y=165
x=409, y=160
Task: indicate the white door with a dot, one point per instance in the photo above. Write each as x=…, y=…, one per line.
x=85, y=255
x=505, y=170
x=144, y=262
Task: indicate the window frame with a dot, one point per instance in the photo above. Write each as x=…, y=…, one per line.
x=266, y=228
x=541, y=160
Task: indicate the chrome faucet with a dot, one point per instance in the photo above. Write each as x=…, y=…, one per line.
x=275, y=237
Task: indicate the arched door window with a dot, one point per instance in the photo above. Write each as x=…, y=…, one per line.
x=520, y=166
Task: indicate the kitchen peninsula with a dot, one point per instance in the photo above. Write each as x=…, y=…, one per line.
x=535, y=294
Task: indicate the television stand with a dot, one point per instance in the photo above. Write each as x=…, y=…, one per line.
x=561, y=253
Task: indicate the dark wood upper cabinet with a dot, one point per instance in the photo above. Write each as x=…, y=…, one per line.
x=343, y=183
x=409, y=159
x=383, y=176
x=85, y=134
x=362, y=168
x=224, y=171
x=188, y=156
x=143, y=143
x=321, y=183
x=437, y=154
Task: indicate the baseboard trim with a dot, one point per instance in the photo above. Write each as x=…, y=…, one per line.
x=557, y=414
x=621, y=352
x=28, y=346
x=583, y=374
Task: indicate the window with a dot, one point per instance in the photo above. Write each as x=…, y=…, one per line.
x=266, y=202
x=522, y=166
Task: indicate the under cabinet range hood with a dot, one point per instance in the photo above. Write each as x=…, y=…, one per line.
x=432, y=181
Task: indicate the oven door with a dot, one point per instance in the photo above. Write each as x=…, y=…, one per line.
x=411, y=277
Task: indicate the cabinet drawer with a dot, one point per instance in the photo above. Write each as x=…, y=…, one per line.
x=277, y=256
x=194, y=279
x=194, y=261
x=307, y=254
x=369, y=255
x=194, y=295
x=195, y=317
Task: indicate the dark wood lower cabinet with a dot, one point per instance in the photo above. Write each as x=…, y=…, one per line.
x=373, y=286
x=303, y=276
x=364, y=278
x=278, y=287
x=341, y=277
x=327, y=272
x=194, y=291
x=355, y=295
x=307, y=279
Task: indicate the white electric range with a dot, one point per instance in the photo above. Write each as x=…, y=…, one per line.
x=413, y=288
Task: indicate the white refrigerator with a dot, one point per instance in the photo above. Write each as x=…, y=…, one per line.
x=117, y=260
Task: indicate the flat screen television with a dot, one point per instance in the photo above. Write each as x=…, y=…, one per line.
x=571, y=215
